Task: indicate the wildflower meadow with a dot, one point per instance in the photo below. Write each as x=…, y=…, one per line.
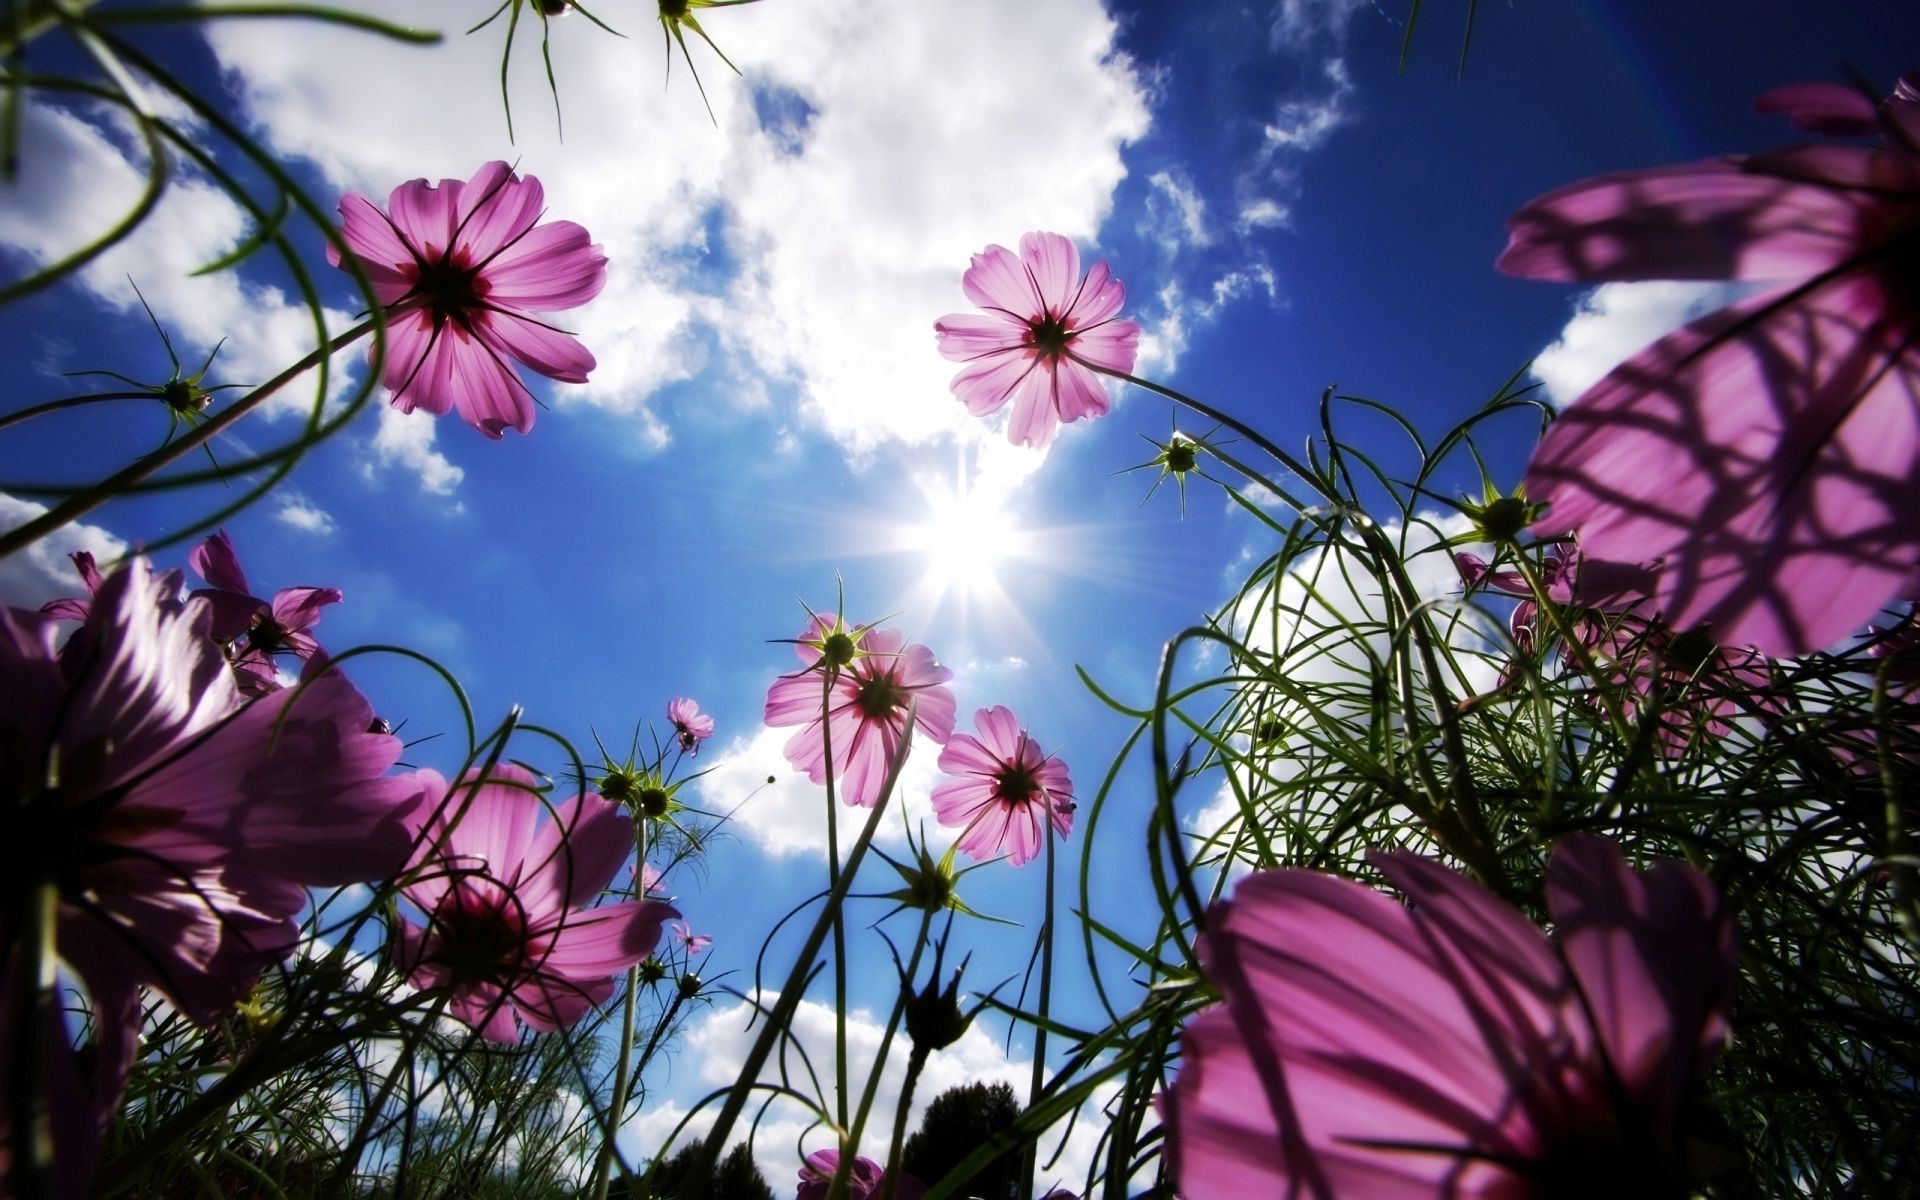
x=749, y=598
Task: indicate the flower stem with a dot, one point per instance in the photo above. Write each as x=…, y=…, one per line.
x=75, y=507
x=915, y=1061
x=783, y=1009
x=1039, y=1077
x=603, y=1166
x=886, y=1043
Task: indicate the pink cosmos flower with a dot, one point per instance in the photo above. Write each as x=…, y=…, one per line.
x=507, y=897
x=255, y=630
x=1367, y=1048
x=1698, y=687
x=690, y=725
x=178, y=822
x=866, y=701
x=865, y=1181
x=1045, y=330
x=1767, y=456
x=688, y=940
x=1007, y=791
x=74, y=608
x=472, y=264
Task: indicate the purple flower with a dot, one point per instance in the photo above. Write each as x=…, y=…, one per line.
x=866, y=700
x=1767, y=456
x=74, y=608
x=1369, y=1048
x=472, y=265
x=507, y=898
x=1007, y=790
x=866, y=1179
x=688, y=940
x=177, y=822
x=1045, y=330
x=1698, y=687
x=253, y=630
x=690, y=725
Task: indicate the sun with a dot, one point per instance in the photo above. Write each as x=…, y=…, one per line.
x=964, y=541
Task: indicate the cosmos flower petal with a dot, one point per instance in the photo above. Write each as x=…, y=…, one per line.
x=1833, y=109
x=985, y=384
x=552, y=353
x=487, y=393
x=963, y=337
x=553, y=267
x=1053, y=262
x=496, y=208
x=1765, y=453
x=410, y=368
x=1707, y=220
x=1078, y=393
x=577, y=853
x=215, y=561
x=600, y=941
x=996, y=279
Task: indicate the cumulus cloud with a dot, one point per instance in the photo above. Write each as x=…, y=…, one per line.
x=718, y=1042
x=787, y=817
x=1325, y=625
x=405, y=441
x=1615, y=320
x=296, y=511
x=817, y=233
x=42, y=571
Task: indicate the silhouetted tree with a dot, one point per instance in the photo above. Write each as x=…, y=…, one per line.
x=959, y=1121
x=735, y=1178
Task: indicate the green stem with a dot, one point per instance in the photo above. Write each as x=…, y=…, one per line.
x=27, y=414
x=1039, y=1077
x=886, y=1044
x=783, y=1009
x=915, y=1061
x=79, y=506
x=603, y=1166
x=839, y=926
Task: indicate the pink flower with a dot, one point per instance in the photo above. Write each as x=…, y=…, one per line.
x=1766, y=456
x=507, y=895
x=255, y=630
x=688, y=940
x=866, y=1180
x=1696, y=688
x=178, y=822
x=472, y=265
x=1365, y=1048
x=1007, y=791
x=1045, y=331
x=866, y=702
x=690, y=725
x=74, y=608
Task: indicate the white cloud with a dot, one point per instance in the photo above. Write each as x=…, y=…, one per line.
x=295, y=510
x=405, y=441
x=1323, y=627
x=1304, y=123
x=718, y=1043
x=1262, y=213
x=856, y=165
x=1612, y=322
x=1176, y=215
x=42, y=571
x=1300, y=23
x=788, y=816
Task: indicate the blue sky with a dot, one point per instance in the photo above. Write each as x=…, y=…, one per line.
x=769, y=414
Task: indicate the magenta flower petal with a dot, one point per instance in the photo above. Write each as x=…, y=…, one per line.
x=1784, y=430
x=1044, y=330
x=506, y=890
x=1367, y=1048
x=1766, y=453
x=214, y=561
x=1705, y=220
x=1832, y=109
x=1006, y=790
x=865, y=711
x=866, y=1179
x=476, y=265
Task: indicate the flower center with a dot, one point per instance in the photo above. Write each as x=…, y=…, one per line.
x=266, y=636
x=450, y=287
x=1016, y=785
x=879, y=696
x=1049, y=336
x=483, y=933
